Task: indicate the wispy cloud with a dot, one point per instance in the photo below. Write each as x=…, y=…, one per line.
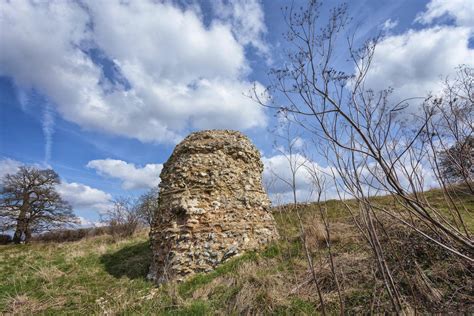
x=247, y=20
x=389, y=24
x=47, y=124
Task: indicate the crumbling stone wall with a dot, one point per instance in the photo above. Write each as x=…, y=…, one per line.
x=212, y=205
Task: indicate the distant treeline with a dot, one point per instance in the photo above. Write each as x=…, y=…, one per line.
x=62, y=235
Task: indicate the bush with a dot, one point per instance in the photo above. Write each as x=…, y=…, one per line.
x=123, y=218
x=67, y=235
x=122, y=229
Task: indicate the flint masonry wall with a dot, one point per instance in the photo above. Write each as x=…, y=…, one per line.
x=212, y=205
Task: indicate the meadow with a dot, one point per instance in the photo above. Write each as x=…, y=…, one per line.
x=103, y=275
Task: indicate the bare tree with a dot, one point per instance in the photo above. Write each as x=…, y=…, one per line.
x=378, y=145
x=319, y=183
x=148, y=205
x=451, y=130
x=30, y=203
x=457, y=163
x=123, y=217
x=289, y=145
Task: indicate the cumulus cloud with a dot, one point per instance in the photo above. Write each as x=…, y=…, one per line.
x=412, y=176
x=8, y=166
x=132, y=177
x=82, y=196
x=85, y=223
x=247, y=20
x=277, y=175
x=171, y=72
x=414, y=62
x=461, y=10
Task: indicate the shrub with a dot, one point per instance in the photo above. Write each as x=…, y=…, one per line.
x=67, y=235
x=123, y=218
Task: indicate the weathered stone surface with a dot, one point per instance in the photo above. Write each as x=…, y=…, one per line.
x=212, y=205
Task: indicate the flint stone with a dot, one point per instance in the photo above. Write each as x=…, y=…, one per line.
x=211, y=197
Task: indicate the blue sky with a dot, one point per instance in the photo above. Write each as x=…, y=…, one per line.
x=101, y=91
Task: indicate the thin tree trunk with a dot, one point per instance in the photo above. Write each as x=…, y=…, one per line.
x=21, y=221
x=20, y=227
x=18, y=233
x=27, y=234
x=310, y=260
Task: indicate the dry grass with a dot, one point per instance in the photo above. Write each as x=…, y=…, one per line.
x=315, y=232
x=101, y=276
x=24, y=305
x=429, y=276
x=48, y=273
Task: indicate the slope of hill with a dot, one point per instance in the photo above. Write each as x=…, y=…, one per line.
x=100, y=275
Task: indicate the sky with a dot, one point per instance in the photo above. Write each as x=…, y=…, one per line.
x=102, y=91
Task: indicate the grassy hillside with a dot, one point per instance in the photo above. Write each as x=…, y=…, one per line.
x=102, y=276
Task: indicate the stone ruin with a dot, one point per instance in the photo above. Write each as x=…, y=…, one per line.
x=212, y=205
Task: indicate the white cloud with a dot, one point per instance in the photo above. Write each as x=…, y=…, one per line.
x=82, y=196
x=8, y=166
x=413, y=62
x=461, y=10
x=298, y=142
x=411, y=176
x=389, y=24
x=277, y=174
x=247, y=20
x=86, y=223
x=132, y=177
x=177, y=73
x=277, y=168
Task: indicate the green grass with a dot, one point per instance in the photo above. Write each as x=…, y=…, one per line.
x=187, y=288
x=100, y=276
x=97, y=275
x=72, y=277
